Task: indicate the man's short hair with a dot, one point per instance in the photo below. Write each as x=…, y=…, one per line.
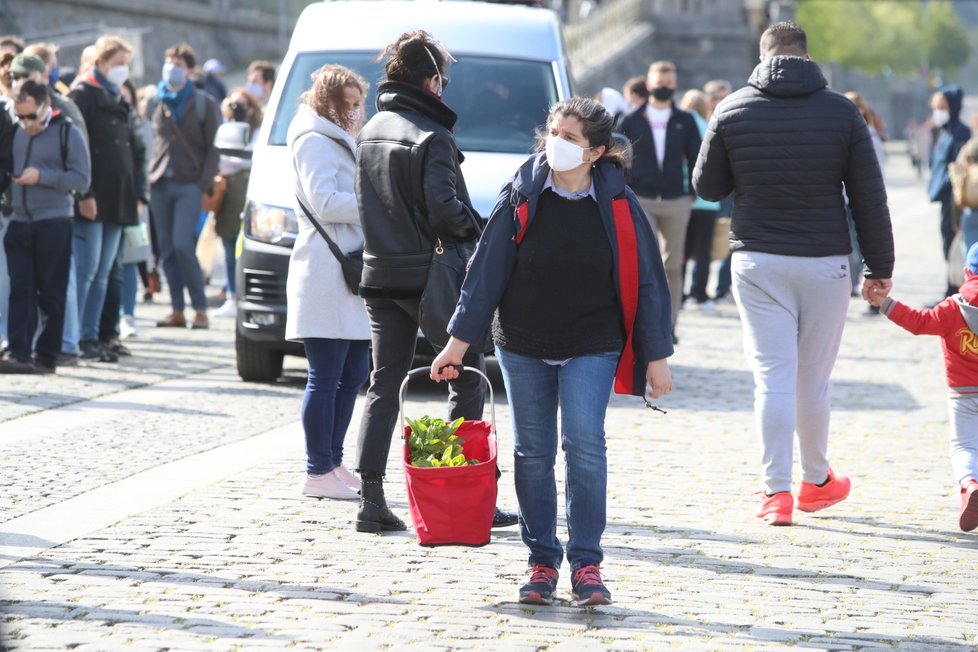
x=636, y=85
x=13, y=41
x=662, y=67
x=716, y=87
x=43, y=50
x=182, y=51
x=784, y=38
x=32, y=90
x=266, y=68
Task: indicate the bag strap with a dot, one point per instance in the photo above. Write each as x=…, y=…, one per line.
x=628, y=281
x=65, y=127
x=340, y=256
x=168, y=115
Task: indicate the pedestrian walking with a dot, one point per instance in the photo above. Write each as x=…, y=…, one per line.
x=411, y=194
x=111, y=202
x=790, y=240
x=665, y=142
x=261, y=80
x=716, y=91
x=569, y=266
x=323, y=314
x=955, y=321
x=50, y=162
x=182, y=169
x=952, y=135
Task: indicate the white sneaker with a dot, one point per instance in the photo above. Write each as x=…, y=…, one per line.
x=328, y=486
x=706, y=306
x=127, y=327
x=347, y=476
x=228, y=309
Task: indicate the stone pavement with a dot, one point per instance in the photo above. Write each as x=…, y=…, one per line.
x=154, y=504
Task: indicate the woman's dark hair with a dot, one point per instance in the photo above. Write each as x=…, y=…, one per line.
x=414, y=57
x=596, y=124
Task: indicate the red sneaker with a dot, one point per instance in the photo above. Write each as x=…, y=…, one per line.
x=968, y=518
x=812, y=497
x=776, y=509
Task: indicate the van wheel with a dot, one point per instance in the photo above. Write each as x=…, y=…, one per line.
x=256, y=363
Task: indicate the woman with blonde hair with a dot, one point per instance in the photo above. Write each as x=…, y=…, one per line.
x=702, y=219
x=329, y=320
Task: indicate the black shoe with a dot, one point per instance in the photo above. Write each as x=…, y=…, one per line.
x=67, y=359
x=11, y=365
x=504, y=519
x=372, y=517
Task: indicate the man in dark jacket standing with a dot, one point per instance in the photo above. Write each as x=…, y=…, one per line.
x=665, y=141
x=787, y=147
x=946, y=106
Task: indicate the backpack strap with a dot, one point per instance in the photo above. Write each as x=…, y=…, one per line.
x=200, y=103
x=628, y=288
x=522, y=218
x=65, y=128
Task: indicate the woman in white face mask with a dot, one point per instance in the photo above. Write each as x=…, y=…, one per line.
x=111, y=202
x=329, y=320
x=569, y=268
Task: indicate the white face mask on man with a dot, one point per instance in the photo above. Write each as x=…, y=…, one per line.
x=563, y=155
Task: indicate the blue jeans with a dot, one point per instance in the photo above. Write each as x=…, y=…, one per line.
x=94, y=248
x=337, y=371
x=581, y=388
x=130, y=275
x=176, y=210
x=72, y=330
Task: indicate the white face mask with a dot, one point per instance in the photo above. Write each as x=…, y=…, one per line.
x=941, y=117
x=118, y=75
x=257, y=90
x=563, y=155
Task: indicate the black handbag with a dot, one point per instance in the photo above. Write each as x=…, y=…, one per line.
x=351, y=263
x=441, y=293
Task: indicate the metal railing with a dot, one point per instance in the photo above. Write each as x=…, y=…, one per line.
x=607, y=24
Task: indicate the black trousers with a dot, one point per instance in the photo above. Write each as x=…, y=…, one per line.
x=38, y=259
x=699, y=242
x=394, y=332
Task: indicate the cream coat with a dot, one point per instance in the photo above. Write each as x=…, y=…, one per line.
x=319, y=303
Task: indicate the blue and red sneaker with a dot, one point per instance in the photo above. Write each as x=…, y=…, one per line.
x=540, y=589
x=587, y=587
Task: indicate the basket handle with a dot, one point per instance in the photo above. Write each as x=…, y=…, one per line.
x=426, y=370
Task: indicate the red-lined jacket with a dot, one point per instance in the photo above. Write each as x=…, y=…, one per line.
x=642, y=290
x=956, y=321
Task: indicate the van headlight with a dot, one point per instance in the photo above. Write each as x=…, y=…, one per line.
x=273, y=224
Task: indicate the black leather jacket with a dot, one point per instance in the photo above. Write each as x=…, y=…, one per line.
x=409, y=189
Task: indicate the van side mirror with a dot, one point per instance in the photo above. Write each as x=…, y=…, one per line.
x=234, y=139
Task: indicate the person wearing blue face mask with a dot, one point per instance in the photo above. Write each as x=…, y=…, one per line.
x=181, y=170
x=569, y=275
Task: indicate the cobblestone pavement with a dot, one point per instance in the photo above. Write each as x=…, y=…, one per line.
x=154, y=504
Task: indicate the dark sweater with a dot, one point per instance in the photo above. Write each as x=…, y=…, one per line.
x=561, y=300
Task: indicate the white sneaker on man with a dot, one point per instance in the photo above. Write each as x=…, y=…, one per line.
x=228, y=309
x=347, y=476
x=328, y=486
x=127, y=327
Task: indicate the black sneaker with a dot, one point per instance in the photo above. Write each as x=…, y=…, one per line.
x=67, y=359
x=587, y=587
x=504, y=519
x=89, y=350
x=541, y=586
x=11, y=365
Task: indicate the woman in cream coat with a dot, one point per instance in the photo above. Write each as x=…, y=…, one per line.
x=323, y=314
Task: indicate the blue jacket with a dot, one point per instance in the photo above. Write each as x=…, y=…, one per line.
x=495, y=256
x=953, y=135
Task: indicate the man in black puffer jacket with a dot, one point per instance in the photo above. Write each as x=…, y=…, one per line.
x=787, y=147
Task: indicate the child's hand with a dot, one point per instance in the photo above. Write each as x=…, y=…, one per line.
x=875, y=290
x=876, y=298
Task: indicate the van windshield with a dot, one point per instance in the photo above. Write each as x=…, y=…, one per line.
x=500, y=102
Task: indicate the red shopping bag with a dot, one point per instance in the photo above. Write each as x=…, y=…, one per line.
x=454, y=506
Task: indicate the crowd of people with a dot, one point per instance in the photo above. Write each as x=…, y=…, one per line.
x=579, y=274
x=123, y=171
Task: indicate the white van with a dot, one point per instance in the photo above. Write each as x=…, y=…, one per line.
x=511, y=68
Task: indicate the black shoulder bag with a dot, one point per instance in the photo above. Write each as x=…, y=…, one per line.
x=351, y=263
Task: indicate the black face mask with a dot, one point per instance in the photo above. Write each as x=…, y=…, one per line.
x=662, y=93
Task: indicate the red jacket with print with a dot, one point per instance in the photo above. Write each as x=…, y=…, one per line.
x=956, y=320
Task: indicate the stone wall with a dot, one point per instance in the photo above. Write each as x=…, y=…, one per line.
x=231, y=35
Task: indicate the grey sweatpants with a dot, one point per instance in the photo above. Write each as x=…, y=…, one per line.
x=964, y=436
x=793, y=310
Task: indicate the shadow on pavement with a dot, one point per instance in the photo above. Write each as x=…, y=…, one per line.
x=903, y=532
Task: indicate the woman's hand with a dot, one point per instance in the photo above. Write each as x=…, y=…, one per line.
x=452, y=354
x=87, y=208
x=658, y=377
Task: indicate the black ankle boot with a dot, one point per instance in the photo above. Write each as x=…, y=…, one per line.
x=374, y=516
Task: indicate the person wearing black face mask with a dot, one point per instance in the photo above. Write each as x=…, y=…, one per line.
x=665, y=142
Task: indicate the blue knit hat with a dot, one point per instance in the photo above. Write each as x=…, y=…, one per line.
x=971, y=260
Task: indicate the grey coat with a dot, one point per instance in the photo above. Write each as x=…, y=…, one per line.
x=51, y=197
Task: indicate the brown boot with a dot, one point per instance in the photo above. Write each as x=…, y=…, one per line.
x=200, y=321
x=173, y=320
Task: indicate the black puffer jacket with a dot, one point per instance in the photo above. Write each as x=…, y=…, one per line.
x=786, y=145
x=409, y=189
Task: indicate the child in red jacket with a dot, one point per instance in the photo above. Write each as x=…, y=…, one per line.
x=956, y=320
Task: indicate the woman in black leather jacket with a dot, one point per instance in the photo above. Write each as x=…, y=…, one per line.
x=411, y=193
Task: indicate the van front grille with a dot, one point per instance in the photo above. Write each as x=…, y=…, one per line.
x=264, y=287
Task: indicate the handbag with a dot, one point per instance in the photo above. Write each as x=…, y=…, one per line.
x=441, y=293
x=136, y=245
x=720, y=246
x=212, y=201
x=351, y=263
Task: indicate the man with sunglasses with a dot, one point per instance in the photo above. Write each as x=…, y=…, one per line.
x=50, y=162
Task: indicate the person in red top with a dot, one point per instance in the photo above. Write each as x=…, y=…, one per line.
x=956, y=321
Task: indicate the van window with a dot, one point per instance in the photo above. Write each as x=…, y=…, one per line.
x=500, y=102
